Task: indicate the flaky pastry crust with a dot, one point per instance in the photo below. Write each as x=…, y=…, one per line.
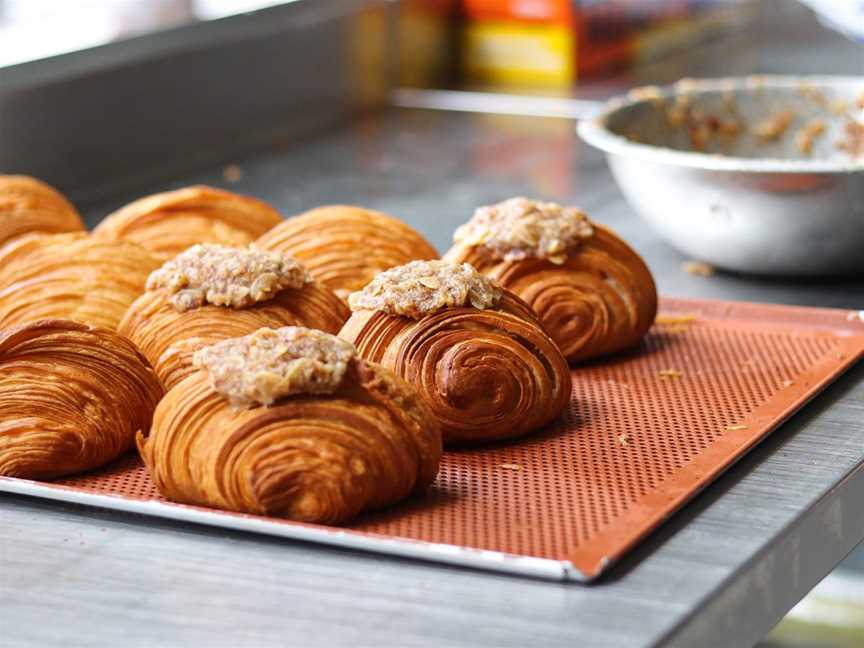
x=486, y=374
x=344, y=247
x=29, y=206
x=314, y=458
x=72, y=398
x=168, y=223
x=70, y=276
x=596, y=298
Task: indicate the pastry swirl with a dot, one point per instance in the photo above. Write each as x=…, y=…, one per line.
x=29, y=206
x=70, y=276
x=344, y=247
x=169, y=336
x=319, y=458
x=168, y=223
x=595, y=296
x=485, y=373
x=72, y=398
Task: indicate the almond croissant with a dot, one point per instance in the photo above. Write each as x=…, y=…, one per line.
x=290, y=423
x=72, y=398
x=28, y=206
x=212, y=292
x=476, y=353
x=344, y=247
x=70, y=276
x=168, y=223
x=592, y=292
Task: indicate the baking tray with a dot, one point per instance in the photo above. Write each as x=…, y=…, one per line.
x=644, y=433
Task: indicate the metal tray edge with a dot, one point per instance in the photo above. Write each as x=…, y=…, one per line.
x=431, y=552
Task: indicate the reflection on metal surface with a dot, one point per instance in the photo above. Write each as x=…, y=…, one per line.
x=496, y=103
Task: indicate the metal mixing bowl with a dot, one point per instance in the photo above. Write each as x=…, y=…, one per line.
x=704, y=164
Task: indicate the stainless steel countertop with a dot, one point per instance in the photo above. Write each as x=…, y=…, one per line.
x=721, y=572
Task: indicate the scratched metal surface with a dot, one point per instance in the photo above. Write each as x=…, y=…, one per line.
x=721, y=572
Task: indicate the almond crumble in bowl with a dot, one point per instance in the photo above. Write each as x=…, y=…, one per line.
x=760, y=174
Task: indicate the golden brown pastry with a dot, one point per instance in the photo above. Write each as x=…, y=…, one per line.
x=72, y=398
x=70, y=276
x=212, y=292
x=290, y=423
x=28, y=206
x=168, y=223
x=476, y=353
x=592, y=292
x=344, y=247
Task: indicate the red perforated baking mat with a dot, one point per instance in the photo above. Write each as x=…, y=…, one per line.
x=644, y=433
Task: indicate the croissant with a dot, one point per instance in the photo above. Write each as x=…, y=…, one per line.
x=70, y=276
x=592, y=292
x=344, y=247
x=28, y=205
x=290, y=423
x=212, y=292
x=72, y=398
x=476, y=353
x=168, y=223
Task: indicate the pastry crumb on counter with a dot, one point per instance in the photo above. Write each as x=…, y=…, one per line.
x=732, y=428
x=260, y=368
x=226, y=276
x=232, y=173
x=421, y=288
x=699, y=268
x=519, y=228
x=670, y=373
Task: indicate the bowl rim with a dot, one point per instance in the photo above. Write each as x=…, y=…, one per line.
x=595, y=132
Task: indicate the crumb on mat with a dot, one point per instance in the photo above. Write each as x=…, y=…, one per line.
x=510, y=466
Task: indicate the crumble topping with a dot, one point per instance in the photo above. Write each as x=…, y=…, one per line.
x=423, y=287
x=520, y=228
x=226, y=276
x=262, y=367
